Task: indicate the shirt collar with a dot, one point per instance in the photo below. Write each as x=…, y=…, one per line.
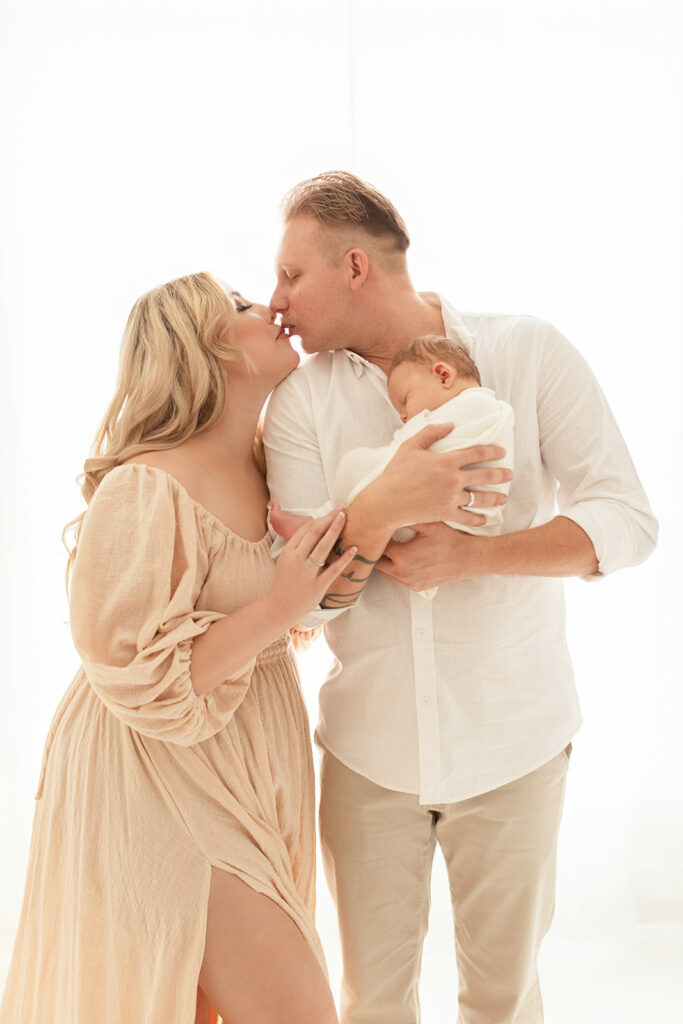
x=455, y=325
x=360, y=364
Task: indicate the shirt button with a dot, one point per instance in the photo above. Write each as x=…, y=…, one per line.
x=426, y=700
x=422, y=631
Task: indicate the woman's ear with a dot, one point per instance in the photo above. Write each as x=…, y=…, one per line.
x=445, y=374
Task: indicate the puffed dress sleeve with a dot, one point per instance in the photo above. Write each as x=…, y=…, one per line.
x=143, y=555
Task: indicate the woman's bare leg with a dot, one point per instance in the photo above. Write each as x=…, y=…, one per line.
x=258, y=968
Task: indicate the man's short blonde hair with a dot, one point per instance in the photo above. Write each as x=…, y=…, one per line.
x=431, y=348
x=340, y=199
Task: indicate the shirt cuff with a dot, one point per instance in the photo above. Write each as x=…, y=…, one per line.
x=321, y=616
x=621, y=536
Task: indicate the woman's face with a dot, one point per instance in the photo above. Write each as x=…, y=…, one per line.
x=266, y=344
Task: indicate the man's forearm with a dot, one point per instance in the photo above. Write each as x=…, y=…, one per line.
x=406, y=492
x=558, y=548
x=439, y=554
x=365, y=531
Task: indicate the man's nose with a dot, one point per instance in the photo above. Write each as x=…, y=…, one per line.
x=277, y=302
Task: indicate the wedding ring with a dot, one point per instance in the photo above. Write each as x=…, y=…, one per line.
x=470, y=503
x=316, y=562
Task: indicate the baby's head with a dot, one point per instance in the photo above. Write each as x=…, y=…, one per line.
x=427, y=372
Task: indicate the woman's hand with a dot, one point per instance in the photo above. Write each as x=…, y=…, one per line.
x=301, y=578
x=299, y=583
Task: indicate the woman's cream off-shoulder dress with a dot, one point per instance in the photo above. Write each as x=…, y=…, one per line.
x=145, y=785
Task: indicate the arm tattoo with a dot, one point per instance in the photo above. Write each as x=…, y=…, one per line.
x=338, y=550
x=332, y=600
x=350, y=575
x=340, y=600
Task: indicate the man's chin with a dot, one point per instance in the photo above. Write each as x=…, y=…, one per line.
x=299, y=340
x=311, y=346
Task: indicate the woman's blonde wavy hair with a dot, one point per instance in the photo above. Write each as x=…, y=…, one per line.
x=171, y=379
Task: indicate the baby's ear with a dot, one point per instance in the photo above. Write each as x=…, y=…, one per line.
x=445, y=373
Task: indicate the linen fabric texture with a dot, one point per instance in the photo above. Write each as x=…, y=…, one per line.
x=145, y=784
x=475, y=688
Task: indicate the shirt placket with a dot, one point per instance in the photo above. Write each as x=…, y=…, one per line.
x=426, y=702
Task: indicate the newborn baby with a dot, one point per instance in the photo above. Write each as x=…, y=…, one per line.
x=434, y=380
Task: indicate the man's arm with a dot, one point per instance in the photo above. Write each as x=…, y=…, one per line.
x=415, y=485
x=439, y=554
x=297, y=483
x=604, y=522
x=409, y=487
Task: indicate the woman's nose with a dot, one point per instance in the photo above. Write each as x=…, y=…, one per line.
x=264, y=312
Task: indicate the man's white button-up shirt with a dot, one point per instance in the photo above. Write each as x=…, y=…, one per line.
x=456, y=696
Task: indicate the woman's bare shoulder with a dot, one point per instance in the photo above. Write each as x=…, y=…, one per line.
x=173, y=461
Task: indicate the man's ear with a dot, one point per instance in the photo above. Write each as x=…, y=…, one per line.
x=445, y=374
x=356, y=265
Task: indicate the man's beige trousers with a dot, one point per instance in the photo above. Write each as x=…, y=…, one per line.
x=500, y=851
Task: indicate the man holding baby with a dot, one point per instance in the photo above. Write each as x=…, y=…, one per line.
x=446, y=720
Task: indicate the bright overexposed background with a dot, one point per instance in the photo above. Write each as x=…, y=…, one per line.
x=535, y=150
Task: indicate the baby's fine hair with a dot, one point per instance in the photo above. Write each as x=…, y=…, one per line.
x=431, y=347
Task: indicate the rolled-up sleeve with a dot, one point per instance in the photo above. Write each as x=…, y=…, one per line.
x=142, y=558
x=580, y=442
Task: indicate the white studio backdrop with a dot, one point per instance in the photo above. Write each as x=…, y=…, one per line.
x=535, y=151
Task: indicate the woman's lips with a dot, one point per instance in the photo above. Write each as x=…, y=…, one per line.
x=287, y=330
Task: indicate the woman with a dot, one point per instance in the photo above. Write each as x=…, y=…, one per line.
x=171, y=873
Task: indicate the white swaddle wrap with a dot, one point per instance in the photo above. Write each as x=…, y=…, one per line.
x=478, y=417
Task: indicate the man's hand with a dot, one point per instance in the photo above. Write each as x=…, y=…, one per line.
x=438, y=554
x=422, y=486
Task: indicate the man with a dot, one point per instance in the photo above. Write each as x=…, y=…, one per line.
x=449, y=721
